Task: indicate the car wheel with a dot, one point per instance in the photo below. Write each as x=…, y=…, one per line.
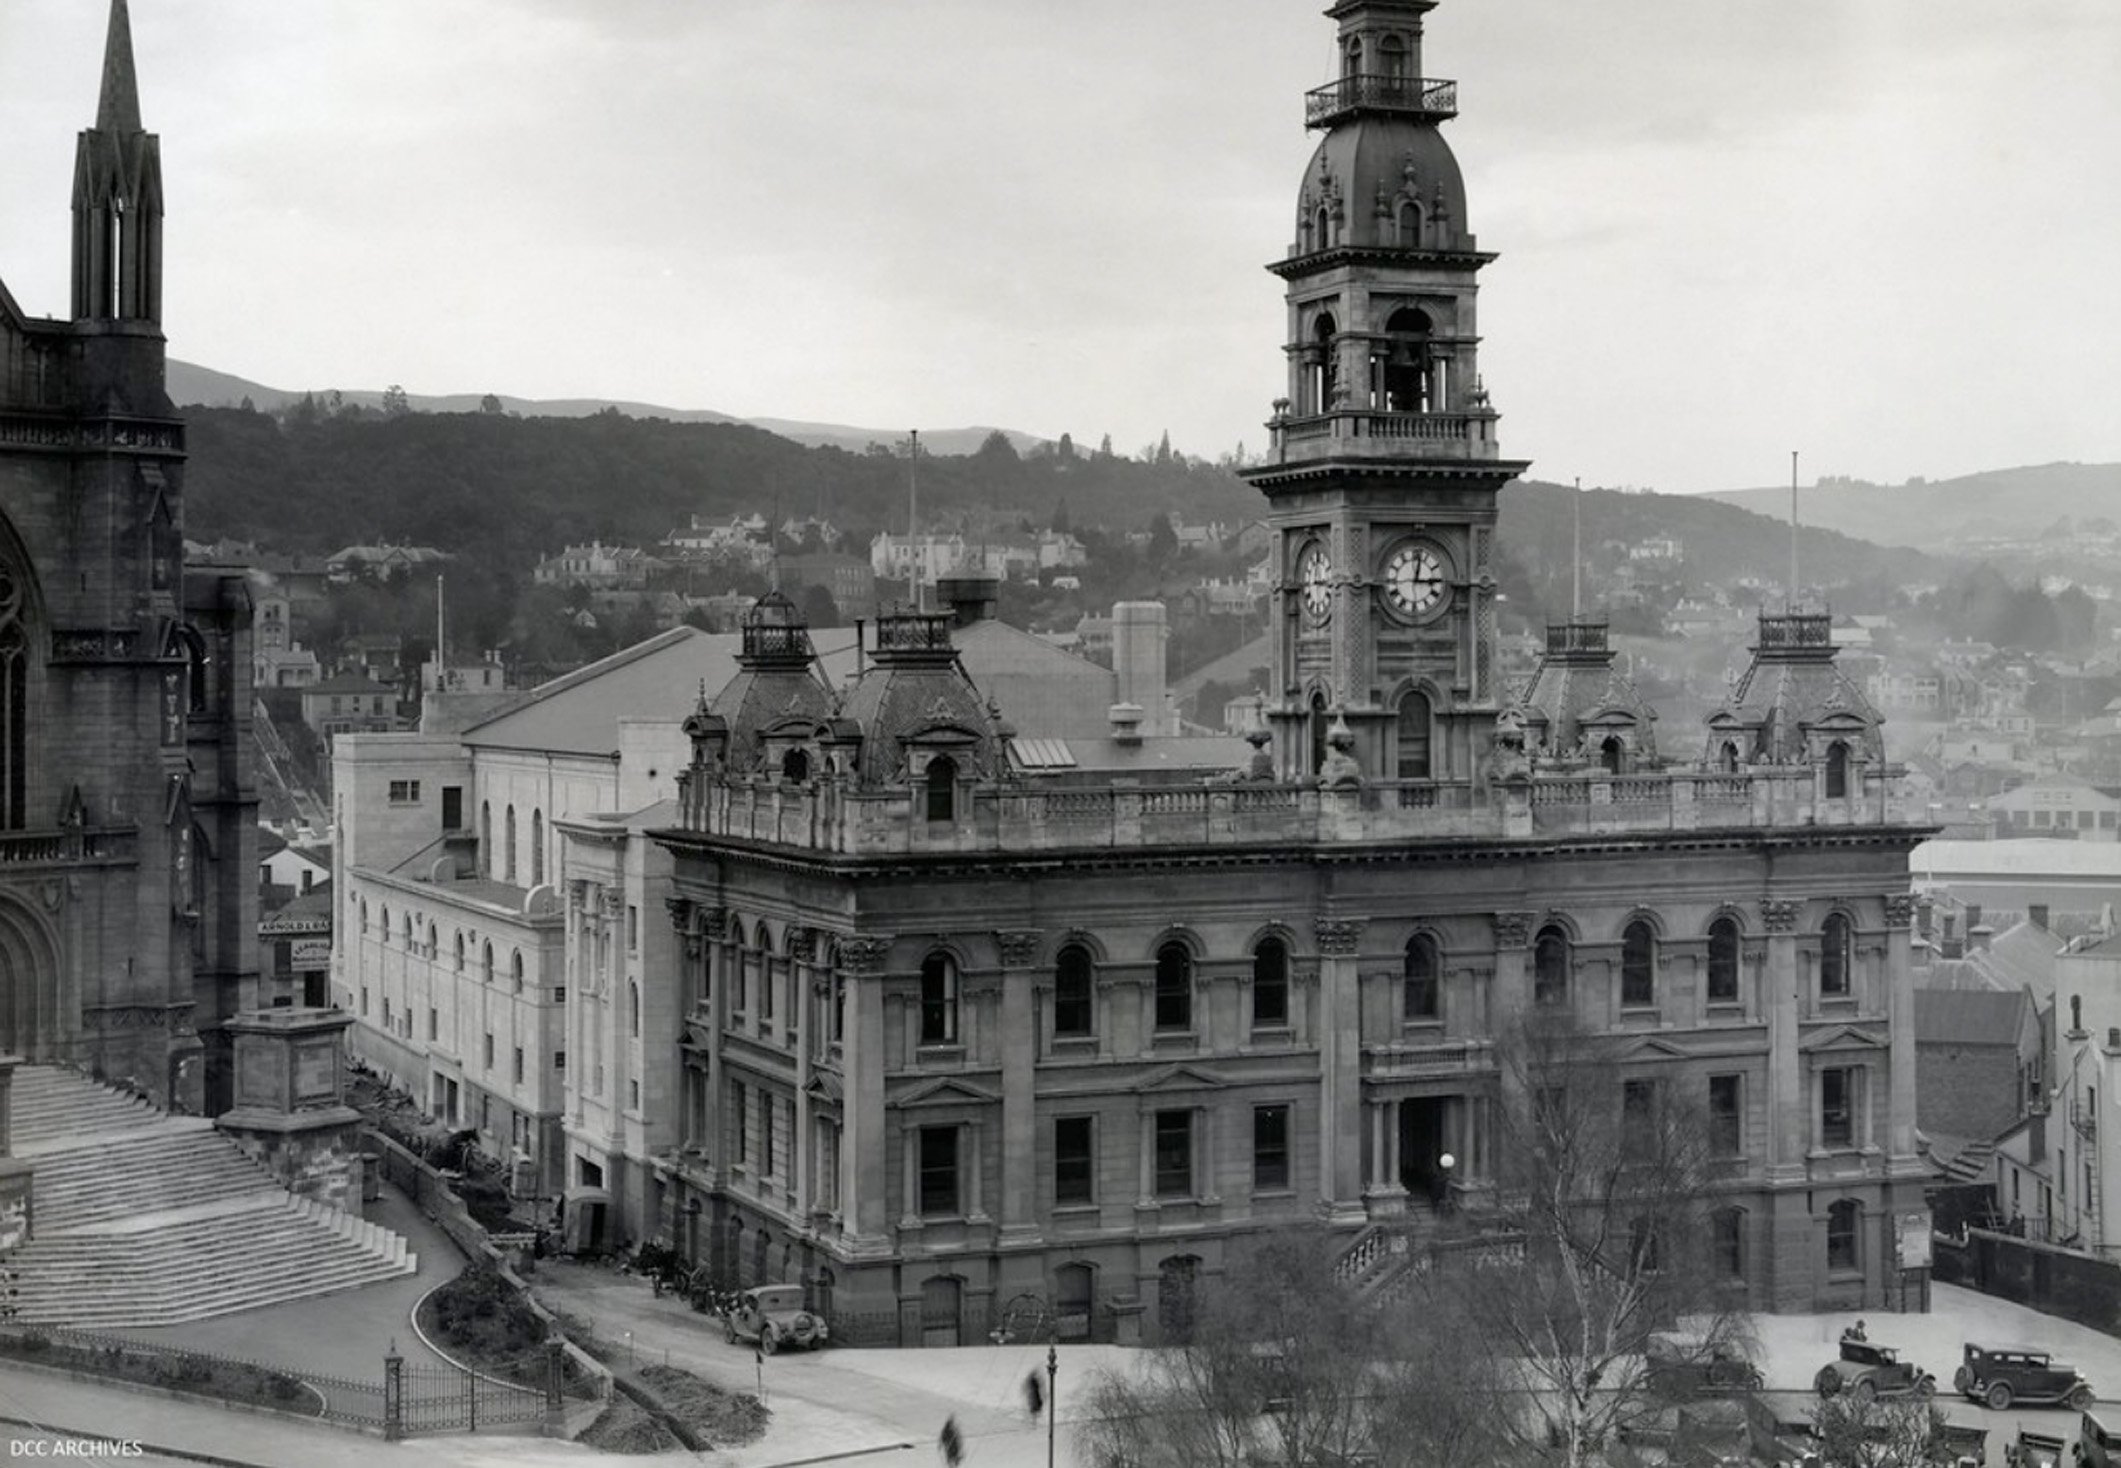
x=1827, y=1383
x=1963, y=1380
x=769, y=1340
x=1864, y=1391
x=1999, y=1396
x=2082, y=1397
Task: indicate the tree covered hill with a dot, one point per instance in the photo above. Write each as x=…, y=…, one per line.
x=1932, y=513
x=517, y=488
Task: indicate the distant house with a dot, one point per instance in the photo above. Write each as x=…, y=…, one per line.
x=382, y=561
x=1979, y=1061
x=848, y=580
x=598, y=566
x=2058, y=805
x=349, y=703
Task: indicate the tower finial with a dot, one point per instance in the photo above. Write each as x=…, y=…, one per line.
x=118, y=107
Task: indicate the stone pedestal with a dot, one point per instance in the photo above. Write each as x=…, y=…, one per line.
x=291, y=1112
x=14, y=1172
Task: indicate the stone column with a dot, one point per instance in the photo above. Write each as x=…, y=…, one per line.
x=865, y=1180
x=1789, y=1121
x=1340, y=1142
x=1900, y=1019
x=1019, y=1056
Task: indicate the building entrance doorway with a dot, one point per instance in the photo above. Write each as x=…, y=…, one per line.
x=1425, y=1135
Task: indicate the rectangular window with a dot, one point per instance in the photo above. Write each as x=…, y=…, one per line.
x=1726, y=1096
x=489, y=1050
x=519, y=1064
x=1270, y=1149
x=364, y=1001
x=404, y=792
x=1837, y=1108
x=1730, y=1242
x=739, y=1139
x=633, y=928
x=1174, y=1154
x=559, y=994
x=938, y=1171
x=559, y=1061
x=1074, y=1170
x=1841, y=1223
x=452, y=807
x=433, y=1023
x=485, y=1112
x=767, y=1108
x=386, y=1014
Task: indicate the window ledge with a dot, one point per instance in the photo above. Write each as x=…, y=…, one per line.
x=1282, y=1034
x=1174, y=1040
x=1423, y=1029
x=1075, y=1212
x=939, y=1053
x=1073, y=1044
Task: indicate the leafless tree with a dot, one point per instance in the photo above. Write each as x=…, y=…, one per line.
x=1610, y=1177
x=1880, y=1434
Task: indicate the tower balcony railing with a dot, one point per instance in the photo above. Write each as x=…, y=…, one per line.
x=1460, y=435
x=1406, y=96
x=68, y=846
x=1028, y=817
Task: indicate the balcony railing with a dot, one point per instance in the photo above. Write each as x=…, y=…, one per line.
x=1407, y=96
x=1026, y=818
x=1455, y=435
x=64, y=847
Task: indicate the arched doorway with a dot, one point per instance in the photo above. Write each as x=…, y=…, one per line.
x=942, y=1310
x=30, y=1023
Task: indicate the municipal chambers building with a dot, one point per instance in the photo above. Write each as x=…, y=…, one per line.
x=965, y=1018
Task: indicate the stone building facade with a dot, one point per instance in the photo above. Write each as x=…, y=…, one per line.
x=128, y=820
x=956, y=1031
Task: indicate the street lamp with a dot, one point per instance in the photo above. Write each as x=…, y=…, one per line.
x=1052, y=1378
x=1444, y=1164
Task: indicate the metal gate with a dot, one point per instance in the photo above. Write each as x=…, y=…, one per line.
x=450, y=1399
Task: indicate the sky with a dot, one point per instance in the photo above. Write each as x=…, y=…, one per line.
x=1880, y=232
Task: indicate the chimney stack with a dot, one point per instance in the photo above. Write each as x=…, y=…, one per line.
x=1973, y=917
x=1139, y=632
x=2036, y=914
x=1126, y=723
x=1980, y=936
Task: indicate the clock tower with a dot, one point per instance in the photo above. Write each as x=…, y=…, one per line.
x=1384, y=465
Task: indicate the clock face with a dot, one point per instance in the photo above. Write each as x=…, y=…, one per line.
x=1314, y=575
x=1414, y=581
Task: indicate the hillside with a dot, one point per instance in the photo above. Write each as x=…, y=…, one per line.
x=513, y=489
x=1941, y=512
x=191, y=385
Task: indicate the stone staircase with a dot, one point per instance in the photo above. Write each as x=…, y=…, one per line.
x=142, y=1218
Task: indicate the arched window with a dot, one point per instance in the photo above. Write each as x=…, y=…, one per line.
x=1409, y=224
x=486, y=962
x=1727, y=760
x=364, y=915
x=633, y=1008
x=1421, y=995
x=1351, y=57
x=1843, y=1235
x=1174, y=987
x=1074, y=991
x=537, y=848
x=486, y=837
x=1408, y=384
x=434, y=941
x=1837, y=770
x=765, y=962
x=1612, y=754
x=1319, y=723
x=410, y=946
x=195, y=689
x=942, y=788
x=1550, y=967
x=1392, y=55
x=1414, y=737
x=383, y=925
x=1638, y=965
x=1834, y=956
x=1322, y=238
x=515, y=971
x=509, y=850
x=460, y=953
x=938, y=1000
x=795, y=766
x=1322, y=334
x=15, y=722
x=1270, y=983
x=1723, y=961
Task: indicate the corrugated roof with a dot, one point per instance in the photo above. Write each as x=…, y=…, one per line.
x=579, y=713
x=1968, y=1016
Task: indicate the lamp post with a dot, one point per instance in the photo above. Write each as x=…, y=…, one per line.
x=1052, y=1404
x=1444, y=1164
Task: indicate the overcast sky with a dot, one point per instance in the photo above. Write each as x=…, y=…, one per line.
x=1884, y=232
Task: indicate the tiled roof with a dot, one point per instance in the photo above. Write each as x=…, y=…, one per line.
x=1968, y=1016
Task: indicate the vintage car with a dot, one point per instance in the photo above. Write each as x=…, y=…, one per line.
x=2033, y=1450
x=2098, y=1441
x=773, y=1315
x=2001, y=1375
x=1866, y=1370
x=1681, y=1366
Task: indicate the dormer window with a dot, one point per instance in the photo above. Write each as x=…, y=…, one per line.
x=795, y=766
x=1837, y=770
x=941, y=783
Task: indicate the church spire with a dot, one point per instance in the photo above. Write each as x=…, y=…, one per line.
x=118, y=108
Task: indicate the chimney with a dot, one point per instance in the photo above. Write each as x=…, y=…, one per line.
x=2036, y=914
x=1126, y=723
x=1979, y=937
x=1973, y=917
x=969, y=598
x=1925, y=915
x=1139, y=631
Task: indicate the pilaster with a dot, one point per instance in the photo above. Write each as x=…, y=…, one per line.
x=1789, y=1130
x=1340, y=1118
x=1019, y=1054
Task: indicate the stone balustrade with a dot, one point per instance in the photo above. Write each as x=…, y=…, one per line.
x=1030, y=817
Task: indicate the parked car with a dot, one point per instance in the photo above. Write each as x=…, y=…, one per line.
x=1868, y=1370
x=773, y=1315
x=2098, y=1441
x=2001, y=1375
x=1682, y=1366
x=2033, y=1450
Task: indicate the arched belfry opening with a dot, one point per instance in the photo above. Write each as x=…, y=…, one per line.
x=1411, y=372
x=1325, y=376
